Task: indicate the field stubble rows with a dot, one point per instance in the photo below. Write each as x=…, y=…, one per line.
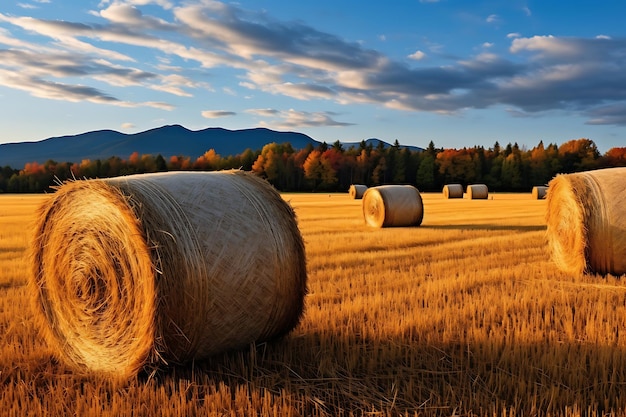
x=464, y=314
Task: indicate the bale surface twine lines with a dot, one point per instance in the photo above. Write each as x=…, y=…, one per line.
x=477, y=191
x=453, y=191
x=393, y=205
x=356, y=191
x=586, y=221
x=539, y=192
x=129, y=273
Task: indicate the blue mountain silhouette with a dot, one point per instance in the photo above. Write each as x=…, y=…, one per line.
x=167, y=140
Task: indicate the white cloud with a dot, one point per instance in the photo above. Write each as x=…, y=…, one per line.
x=493, y=18
x=292, y=119
x=263, y=112
x=216, y=114
x=293, y=59
x=127, y=14
x=417, y=55
x=127, y=126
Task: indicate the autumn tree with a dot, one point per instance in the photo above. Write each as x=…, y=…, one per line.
x=578, y=155
x=209, y=161
x=319, y=171
x=616, y=157
x=275, y=163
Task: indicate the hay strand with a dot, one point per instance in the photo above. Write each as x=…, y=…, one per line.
x=539, y=192
x=586, y=221
x=356, y=191
x=133, y=272
x=477, y=191
x=393, y=205
x=453, y=191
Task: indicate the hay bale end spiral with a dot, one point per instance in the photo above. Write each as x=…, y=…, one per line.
x=356, y=191
x=393, y=205
x=132, y=272
x=539, y=192
x=477, y=192
x=453, y=191
x=586, y=221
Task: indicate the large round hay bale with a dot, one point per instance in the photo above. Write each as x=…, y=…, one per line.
x=539, y=192
x=356, y=191
x=393, y=205
x=477, y=192
x=453, y=191
x=132, y=272
x=586, y=221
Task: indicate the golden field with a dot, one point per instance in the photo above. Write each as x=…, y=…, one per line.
x=464, y=315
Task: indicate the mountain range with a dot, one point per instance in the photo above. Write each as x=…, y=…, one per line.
x=167, y=140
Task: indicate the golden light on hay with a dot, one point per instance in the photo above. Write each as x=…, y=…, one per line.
x=477, y=191
x=356, y=191
x=586, y=221
x=393, y=205
x=539, y=192
x=137, y=271
x=453, y=191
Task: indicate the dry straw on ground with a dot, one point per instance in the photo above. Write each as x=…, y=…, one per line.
x=477, y=191
x=356, y=191
x=453, y=191
x=539, y=192
x=133, y=272
x=586, y=221
x=393, y=205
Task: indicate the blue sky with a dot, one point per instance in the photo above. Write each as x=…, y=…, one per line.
x=457, y=72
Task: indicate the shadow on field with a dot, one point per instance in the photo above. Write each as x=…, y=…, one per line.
x=490, y=227
x=343, y=374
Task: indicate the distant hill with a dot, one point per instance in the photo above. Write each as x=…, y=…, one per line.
x=166, y=140
x=374, y=143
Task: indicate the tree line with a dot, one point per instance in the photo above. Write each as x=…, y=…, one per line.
x=332, y=168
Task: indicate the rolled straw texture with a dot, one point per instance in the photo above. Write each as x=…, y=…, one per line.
x=539, y=192
x=477, y=191
x=356, y=191
x=133, y=272
x=393, y=205
x=586, y=221
x=453, y=191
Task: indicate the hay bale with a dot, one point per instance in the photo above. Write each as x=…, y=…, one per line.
x=453, y=191
x=133, y=272
x=539, y=192
x=356, y=191
x=393, y=205
x=586, y=221
x=477, y=191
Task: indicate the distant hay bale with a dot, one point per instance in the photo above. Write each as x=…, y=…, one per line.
x=356, y=191
x=539, y=192
x=477, y=191
x=393, y=205
x=586, y=221
x=133, y=272
x=453, y=191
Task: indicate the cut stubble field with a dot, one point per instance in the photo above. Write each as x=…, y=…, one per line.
x=463, y=315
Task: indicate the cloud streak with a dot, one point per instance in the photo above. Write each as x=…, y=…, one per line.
x=291, y=119
x=536, y=74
